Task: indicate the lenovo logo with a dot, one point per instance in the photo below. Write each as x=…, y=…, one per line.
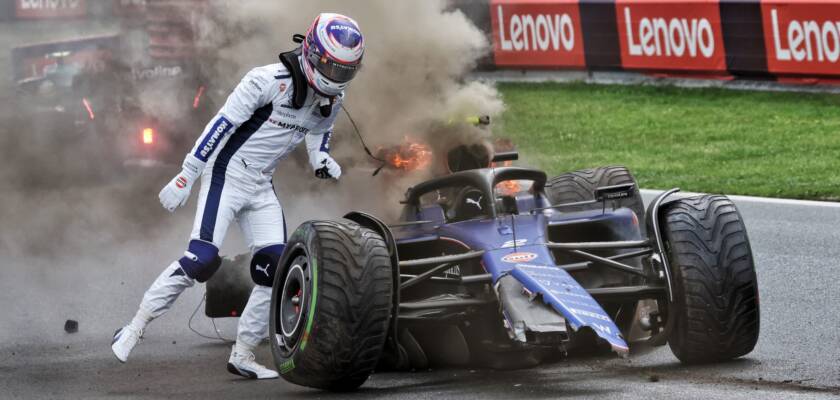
x=537, y=32
x=541, y=32
x=671, y=37
x=808, y=40
x=801, y=37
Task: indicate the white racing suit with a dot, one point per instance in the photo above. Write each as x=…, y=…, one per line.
x=242, y=144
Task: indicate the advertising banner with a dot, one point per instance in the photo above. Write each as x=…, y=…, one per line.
x=541, y=33
x=670, y=35
x=802, y=37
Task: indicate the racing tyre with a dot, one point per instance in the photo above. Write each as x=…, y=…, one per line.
x=580, y=186
x=714, y=280
x=331, y=305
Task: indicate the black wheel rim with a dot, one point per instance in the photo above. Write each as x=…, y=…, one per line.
x=291, y=308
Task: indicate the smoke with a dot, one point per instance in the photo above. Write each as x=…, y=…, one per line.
x=71, y=222
x=411, y=86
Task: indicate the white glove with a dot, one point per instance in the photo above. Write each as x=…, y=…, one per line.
x=177, y=191
x=325, y=166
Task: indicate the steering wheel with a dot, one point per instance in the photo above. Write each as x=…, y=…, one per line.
x=469, y=203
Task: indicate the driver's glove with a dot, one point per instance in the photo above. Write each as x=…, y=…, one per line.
x=325, y=166
x=177, y=191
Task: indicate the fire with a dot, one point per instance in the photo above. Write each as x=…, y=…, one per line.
x=508, y=188
x=408, y=156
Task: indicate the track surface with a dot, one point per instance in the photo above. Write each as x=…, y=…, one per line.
x=798, y=354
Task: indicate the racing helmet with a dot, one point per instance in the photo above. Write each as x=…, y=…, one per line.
x=332, y=53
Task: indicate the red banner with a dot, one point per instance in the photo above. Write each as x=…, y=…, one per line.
x=802, y=37
x=660, y=35
x=537, y=33
x=44, y=9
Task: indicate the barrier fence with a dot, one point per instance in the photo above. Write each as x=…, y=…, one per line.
x=787, y=40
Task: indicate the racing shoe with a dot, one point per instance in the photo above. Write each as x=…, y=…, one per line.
x=242, y=363
x=124, y=341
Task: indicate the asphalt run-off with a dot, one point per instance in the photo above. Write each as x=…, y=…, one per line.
x=797, y=356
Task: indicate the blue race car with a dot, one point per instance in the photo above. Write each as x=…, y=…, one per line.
x=503, y=268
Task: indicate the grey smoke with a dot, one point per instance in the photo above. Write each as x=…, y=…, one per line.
x=411, y=85
x=67, y=236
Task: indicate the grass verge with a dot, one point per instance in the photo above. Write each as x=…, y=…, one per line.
x=705, y=140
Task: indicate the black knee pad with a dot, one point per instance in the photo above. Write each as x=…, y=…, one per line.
x=201, y=260
x=264, y=264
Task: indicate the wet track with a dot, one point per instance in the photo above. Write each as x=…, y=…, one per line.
x=798, y=355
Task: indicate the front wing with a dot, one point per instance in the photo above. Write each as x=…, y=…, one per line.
x=562, y=292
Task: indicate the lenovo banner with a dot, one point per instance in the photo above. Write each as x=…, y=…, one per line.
x=43, y=9
x=541, y=33
x=670, y=35
x=802, y=37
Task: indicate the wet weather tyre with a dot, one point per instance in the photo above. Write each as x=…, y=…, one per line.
x=580, y=185
x=714, y=281
x=331, y=305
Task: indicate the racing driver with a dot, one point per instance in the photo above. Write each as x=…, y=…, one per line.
x=272, y=110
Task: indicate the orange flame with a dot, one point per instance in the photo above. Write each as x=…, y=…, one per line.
x=408, y=156
x=508, y=188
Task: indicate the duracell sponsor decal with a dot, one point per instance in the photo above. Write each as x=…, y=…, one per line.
x=536, y=33
x=802, y=38
x=670, y=35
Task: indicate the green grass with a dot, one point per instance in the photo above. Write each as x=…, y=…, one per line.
x=705, y=140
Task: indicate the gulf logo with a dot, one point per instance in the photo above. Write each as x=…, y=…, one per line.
x=520, y=257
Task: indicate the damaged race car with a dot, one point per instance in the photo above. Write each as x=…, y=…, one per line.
x=504, y=268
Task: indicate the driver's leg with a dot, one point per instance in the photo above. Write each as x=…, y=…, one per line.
x=217, y=207
x=263, y=225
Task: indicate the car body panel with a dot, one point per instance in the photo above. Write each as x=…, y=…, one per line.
x=516, y=245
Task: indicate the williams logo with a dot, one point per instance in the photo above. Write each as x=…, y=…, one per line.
x=520, y=257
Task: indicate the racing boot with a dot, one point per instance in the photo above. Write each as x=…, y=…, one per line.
x=125, y=339
x=242, y=363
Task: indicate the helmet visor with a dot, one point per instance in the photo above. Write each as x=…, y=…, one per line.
x=332, y=70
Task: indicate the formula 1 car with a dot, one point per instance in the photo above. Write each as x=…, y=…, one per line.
x=476, y=273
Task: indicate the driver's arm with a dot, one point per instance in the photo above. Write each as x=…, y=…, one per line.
x=253, y=92
x=318, y=146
